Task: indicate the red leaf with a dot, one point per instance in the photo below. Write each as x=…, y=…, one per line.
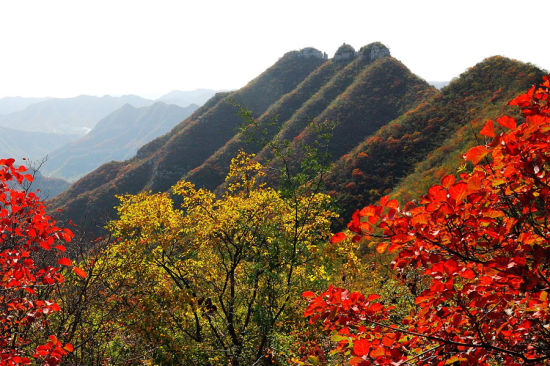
x=388, y=340
x=475, y=154
x=448, y=181
x=377, y=352
x=488, y=130
x=507, y=122
x=458, y=191
x=79, y=272
x=381, y=248
x=338, y=237
x=361, y=347
x=68, y=347
x=469, y=274
x=64, y=262
x=308, y=294
x=373, y=297
x=61, y=248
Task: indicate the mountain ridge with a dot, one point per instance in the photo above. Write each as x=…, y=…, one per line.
x=412, y=121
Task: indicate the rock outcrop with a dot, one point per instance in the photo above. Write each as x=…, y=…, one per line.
x=345, y=53
x=374, y=51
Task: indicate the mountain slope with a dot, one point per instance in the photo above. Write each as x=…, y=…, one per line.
x=116, y=137
x=363, y=103
x=46, y=187
x=213, y=170
x=165, y=160
x=379, y=94
x=377, y=164
x=326, y=95
x=68, y=115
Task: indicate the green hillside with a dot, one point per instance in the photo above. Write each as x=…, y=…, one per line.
x=330, y=91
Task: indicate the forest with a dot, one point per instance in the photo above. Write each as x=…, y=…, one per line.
x=251, y=274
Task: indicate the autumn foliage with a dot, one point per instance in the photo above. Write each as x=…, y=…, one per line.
x=26, y=232
x=481, y=242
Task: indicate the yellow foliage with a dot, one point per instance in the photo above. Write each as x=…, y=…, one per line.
x=222, y=264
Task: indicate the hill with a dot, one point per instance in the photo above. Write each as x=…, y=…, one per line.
x=46, y=187
x=68, y=115
x=295, y=110
x=389, y=121
x=422, y=138
x=379, y=94
x=116, y=137
x=166, y=159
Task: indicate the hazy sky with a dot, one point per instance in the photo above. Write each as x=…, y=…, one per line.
x=66, y=48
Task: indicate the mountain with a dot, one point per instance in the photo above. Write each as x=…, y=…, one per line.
x=186, y=98
x=116, y=137
x=31, y=145
x=14, y=104
x=366, y=90
x=417, y=148
x=68, y=115
x=162, y=162
x=389, y=123
x=380, y=93
x=214, y=169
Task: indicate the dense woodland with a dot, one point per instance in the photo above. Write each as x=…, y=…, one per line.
x=215, y=244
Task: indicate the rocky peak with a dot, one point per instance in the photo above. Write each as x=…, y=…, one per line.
x=374, y=51
x=344, y=53
x=312, y=52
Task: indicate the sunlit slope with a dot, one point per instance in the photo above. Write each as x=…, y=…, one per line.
x=211, y=173
x=337, y=85
x=379, y=94
x=380, y=162
x=165, y=160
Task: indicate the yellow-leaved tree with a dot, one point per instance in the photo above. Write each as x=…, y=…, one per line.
x=207, y=279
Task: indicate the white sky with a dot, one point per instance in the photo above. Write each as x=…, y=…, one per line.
x=65, y=48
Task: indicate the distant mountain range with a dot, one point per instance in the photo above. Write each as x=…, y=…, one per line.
x=116, y=137
x=13, y=104
x=68, y=115
x=394, y=131
x=46, y=187
x=36, y=127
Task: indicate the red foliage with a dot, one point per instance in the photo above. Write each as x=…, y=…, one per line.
x=482, y=240
x=25, y=230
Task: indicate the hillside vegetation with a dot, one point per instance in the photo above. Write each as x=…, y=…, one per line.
x=388, y=122
x=381, y=161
